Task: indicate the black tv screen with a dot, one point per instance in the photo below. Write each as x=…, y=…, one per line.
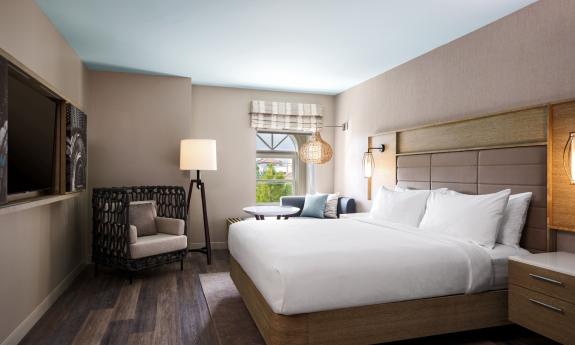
x=31, y=134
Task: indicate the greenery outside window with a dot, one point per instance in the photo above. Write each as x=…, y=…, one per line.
x=278, y=168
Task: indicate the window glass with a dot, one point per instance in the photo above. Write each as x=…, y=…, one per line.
x=275, y=142
x=275, y=178
x=276, y=166
x=286, y=145
x=266, y=140
x=261, y=145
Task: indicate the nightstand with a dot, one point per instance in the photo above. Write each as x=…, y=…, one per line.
x=542, y=294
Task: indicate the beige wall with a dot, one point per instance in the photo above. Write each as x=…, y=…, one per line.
x=40, y=246
x=523, y=59
x=222, y=113
x=28, y=35
x=136, y=124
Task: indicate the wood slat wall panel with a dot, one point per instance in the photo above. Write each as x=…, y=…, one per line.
x=562, y=193
x=506, y=129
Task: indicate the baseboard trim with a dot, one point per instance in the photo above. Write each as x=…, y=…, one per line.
x=215, y=245
x=26, y=325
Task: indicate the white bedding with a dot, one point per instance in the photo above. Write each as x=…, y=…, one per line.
x=304, y=266
x=499, y=258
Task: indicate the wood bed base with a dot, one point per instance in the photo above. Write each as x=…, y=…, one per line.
x=374, y=323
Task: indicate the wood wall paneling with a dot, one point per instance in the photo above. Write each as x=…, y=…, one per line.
x=561, y=192
x=523, y=127
x=384, y=173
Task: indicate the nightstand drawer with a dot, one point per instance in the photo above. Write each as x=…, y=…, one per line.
x=546, y=315
x=542, y=280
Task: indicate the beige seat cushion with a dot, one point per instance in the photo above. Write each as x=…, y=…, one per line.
x=157, y=244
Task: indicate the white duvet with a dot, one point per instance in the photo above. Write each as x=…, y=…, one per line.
x=303, y=266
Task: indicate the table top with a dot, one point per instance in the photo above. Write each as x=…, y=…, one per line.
x=561, y=262
x=271, y=210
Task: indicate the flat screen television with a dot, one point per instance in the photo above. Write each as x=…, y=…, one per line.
x=31, y=136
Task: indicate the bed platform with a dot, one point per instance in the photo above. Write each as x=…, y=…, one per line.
x=372, y=324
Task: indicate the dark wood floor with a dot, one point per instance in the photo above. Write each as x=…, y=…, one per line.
x=167, y=306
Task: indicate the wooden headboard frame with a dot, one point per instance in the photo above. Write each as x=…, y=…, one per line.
x=524, y=131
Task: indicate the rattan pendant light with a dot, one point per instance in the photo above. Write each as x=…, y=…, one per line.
x=315, y=150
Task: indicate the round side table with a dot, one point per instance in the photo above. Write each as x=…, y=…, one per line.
x=260, y=212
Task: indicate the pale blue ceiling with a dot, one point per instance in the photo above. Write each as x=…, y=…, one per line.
x=323, y=46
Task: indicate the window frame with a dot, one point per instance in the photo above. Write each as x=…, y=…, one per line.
x=293, y=155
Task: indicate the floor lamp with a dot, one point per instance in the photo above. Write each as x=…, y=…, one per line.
x=199, y=154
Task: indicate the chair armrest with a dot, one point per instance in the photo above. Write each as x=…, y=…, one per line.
x=133, y=234
x=295, y=201
x=345, y=205
x=171, y=226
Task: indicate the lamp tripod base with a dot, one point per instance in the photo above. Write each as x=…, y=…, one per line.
x=207, y=249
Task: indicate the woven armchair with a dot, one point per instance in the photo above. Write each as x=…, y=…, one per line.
x=111, y=228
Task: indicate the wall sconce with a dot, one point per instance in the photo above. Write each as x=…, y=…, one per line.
x=569, y=157
x=344, y=126
x=368, y=162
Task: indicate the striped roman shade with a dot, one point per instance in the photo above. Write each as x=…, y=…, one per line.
x=302, y=117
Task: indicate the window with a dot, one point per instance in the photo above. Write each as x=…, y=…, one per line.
x=278, y=169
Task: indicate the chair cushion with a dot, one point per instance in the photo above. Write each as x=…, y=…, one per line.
x=157, y=244
x=142, y=216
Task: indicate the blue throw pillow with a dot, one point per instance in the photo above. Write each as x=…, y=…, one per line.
x=314, y=205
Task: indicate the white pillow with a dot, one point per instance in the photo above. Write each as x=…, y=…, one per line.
x=405, y=189
x=399, y=207
x=331, y=206
x=475, y=218
x=514, y=219
x=401, y=189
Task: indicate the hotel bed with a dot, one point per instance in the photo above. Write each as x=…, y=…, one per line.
x=365, y=281
x=304, y=266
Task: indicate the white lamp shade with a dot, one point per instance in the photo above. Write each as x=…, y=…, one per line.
x=198, y=154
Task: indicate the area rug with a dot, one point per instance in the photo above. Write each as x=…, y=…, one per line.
x=230, y=316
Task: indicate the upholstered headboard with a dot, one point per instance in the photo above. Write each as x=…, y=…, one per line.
x=521, y=169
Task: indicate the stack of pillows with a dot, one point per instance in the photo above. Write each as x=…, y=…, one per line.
x=320, y=205
x=483, y=219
